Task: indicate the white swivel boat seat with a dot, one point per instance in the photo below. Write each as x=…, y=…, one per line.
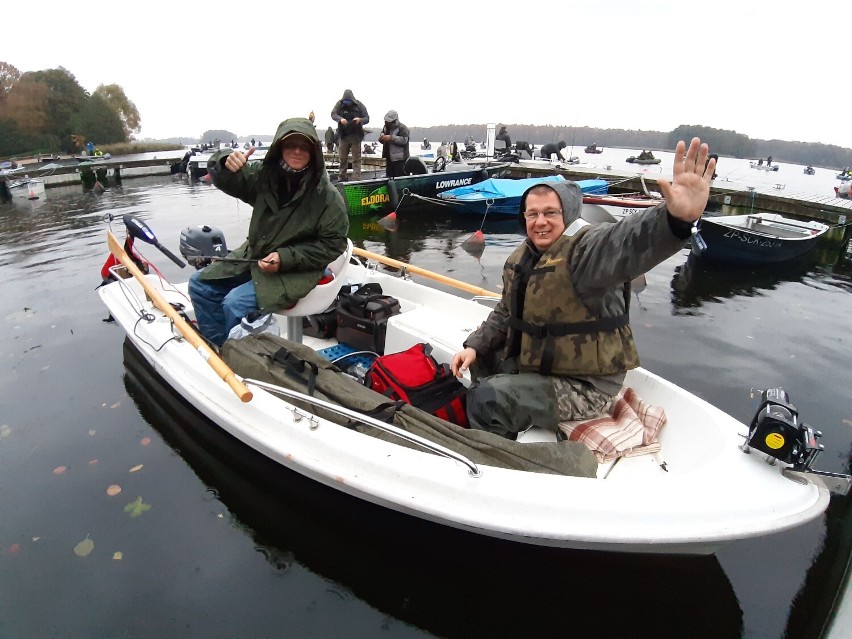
x=320, y=298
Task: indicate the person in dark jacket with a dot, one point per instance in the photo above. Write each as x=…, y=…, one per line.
x=394, y=139
x=351, y=116
x=558, y=344
x=299, y=224
x=503, y=134
x=330, y=139
x=549, y=149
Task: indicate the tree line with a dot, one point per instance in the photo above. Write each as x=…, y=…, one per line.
x=48, y=111
x=724, y=142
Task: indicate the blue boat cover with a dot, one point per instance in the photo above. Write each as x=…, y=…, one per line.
x=504, y=194
x=500, y=188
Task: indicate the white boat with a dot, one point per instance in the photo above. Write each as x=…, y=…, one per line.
x=760, y=166
x=619, y=206
x=696, y=493
x=27, y=188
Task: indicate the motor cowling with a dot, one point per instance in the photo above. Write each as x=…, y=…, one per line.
x=199, y=245
x=776, y=431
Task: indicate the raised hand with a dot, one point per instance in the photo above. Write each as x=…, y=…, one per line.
x=686, y=195
x=237, y=160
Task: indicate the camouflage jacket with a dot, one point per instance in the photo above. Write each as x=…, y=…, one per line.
x=602, y=263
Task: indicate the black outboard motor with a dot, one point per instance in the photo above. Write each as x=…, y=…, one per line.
x=200, y=245
x=776, y=431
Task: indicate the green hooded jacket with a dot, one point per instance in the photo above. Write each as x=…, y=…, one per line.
x=304, y=220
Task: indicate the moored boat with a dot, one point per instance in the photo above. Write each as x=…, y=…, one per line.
x=27, y=188
x=759, y=238
x=639, y=160
x=645, y=503
x=620, y=206
x=502, y=196
x=379, y=196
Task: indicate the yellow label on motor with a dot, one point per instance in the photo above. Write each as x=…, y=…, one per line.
x=774, y=440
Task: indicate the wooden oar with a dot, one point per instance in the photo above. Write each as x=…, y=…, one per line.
x=215, y=362
x=464, y=286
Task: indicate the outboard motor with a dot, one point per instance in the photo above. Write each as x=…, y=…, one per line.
x=200, y=245
x=776, y=431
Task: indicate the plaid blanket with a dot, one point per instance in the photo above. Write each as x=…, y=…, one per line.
x=630, y=428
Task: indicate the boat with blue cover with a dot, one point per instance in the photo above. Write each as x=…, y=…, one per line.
x=503, y=195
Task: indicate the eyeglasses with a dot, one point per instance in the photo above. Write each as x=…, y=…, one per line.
x=297, y=146
x=532, y=216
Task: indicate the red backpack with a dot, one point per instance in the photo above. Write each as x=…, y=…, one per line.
x=415, y=377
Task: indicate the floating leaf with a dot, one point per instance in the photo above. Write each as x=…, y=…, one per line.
x=5, y=431
x=136, y=508
x=135, y=468
x=59, y=470
x=92, y=431
x=92, y=462
x=848, y=422
x=113, y=490
x=145, y=441
x=13, y=549
x=84, y=547
x=116, y=405
x=118, y=555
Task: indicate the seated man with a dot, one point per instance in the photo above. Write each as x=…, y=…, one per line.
x=558, y=344
x=299, y=224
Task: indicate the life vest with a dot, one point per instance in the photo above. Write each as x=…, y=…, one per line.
x=558, y=334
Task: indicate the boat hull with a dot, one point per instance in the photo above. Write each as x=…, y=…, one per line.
x=752, y=239
x=699, y=492
x=27, y=189
x=381, y=196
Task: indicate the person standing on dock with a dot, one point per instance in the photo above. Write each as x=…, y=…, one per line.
x=329, y=139
x=503, y=135
x=351, y=116
x=394, y=139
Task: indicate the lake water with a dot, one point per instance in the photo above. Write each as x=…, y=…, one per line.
x=204, y=540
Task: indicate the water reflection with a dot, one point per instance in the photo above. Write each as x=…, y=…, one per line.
x=697, y=281
x=446, y=582
x=419, y=226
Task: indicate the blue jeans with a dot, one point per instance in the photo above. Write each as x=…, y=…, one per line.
x=221, y=304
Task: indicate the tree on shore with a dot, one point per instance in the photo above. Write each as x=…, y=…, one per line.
x=41, y=110
x=117, y=100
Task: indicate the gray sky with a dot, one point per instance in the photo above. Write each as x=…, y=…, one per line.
x=766, y=69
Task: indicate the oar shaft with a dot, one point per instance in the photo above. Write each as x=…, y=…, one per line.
x=188, y=332
x=464, y=286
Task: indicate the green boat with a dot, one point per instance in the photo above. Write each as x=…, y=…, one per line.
x=380, y=196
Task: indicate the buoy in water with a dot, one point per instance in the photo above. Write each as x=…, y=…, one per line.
x=389, y=222
x=475, y=244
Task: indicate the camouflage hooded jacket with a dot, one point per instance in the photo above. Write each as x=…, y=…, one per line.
x=301, y=217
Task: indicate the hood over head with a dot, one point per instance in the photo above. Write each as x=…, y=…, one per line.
x=569, y=194
x=348, y=95
x=301, y=127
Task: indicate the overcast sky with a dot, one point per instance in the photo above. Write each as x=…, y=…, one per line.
x=766, y=69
